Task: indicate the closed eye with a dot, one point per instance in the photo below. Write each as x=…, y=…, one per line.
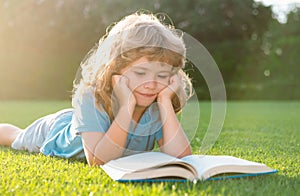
x=139, y=73
x=163, y=76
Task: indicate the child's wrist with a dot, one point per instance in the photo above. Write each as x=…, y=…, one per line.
x=123, y=117
x=126, y=109
x=164, y=101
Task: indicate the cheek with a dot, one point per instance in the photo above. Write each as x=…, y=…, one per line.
x=131, y=80
x=164, y=82
x=161, y=85
x=134, y=83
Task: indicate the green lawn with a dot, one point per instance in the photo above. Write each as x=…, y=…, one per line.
x=265, y=132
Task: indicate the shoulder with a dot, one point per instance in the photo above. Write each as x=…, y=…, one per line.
x=82, y=95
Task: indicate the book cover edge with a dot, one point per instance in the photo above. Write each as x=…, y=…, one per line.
x=208, y=179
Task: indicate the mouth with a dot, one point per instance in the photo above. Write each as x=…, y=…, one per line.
x=148, y=95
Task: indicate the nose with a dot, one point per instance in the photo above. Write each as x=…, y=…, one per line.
x=150, y=84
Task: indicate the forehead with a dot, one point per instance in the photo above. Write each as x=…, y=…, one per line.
x=144, y=63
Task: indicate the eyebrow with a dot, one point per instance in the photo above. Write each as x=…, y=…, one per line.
x=144, y=68
x=147, y=69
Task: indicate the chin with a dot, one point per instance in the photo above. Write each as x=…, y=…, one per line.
x=144, y=103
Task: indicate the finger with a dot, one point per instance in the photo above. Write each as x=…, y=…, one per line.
x=173, y=78
x=176, y=77
x=124, y=79
x=175, y=84
x=115, y=79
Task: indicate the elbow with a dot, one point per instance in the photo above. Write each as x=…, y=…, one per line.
x=178, y=154
x=184, y=155
x=97, y=160
x=94, y=162
x=186, y=152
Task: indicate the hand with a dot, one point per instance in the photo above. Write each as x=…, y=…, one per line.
x=122, y=91
x=173, y=88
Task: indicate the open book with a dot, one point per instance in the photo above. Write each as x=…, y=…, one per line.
x=152, y=166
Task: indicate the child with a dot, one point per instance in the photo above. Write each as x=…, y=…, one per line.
x=131, y=87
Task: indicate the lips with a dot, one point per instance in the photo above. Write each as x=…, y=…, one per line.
x=146, y=94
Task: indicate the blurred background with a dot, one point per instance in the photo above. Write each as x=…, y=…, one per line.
x=257, y=49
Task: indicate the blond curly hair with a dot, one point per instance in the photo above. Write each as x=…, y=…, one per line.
x=135, y=36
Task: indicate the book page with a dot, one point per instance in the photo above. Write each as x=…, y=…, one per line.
x=146, y=165
x=141, y=161
x=166, y=172
x=208, y=165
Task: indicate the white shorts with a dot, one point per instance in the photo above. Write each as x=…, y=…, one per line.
x=34, y=135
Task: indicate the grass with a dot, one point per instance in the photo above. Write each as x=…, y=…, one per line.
x=266, y=132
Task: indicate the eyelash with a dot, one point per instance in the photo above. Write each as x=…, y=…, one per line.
x=139, y=73
x=142, y=74
x=162, y=77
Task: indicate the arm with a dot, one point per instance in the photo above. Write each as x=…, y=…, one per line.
x=174, y=140
x=100, y=148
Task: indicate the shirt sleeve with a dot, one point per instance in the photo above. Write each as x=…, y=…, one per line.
x=87, y=118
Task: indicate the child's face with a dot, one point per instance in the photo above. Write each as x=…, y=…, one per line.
x=147, y=79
